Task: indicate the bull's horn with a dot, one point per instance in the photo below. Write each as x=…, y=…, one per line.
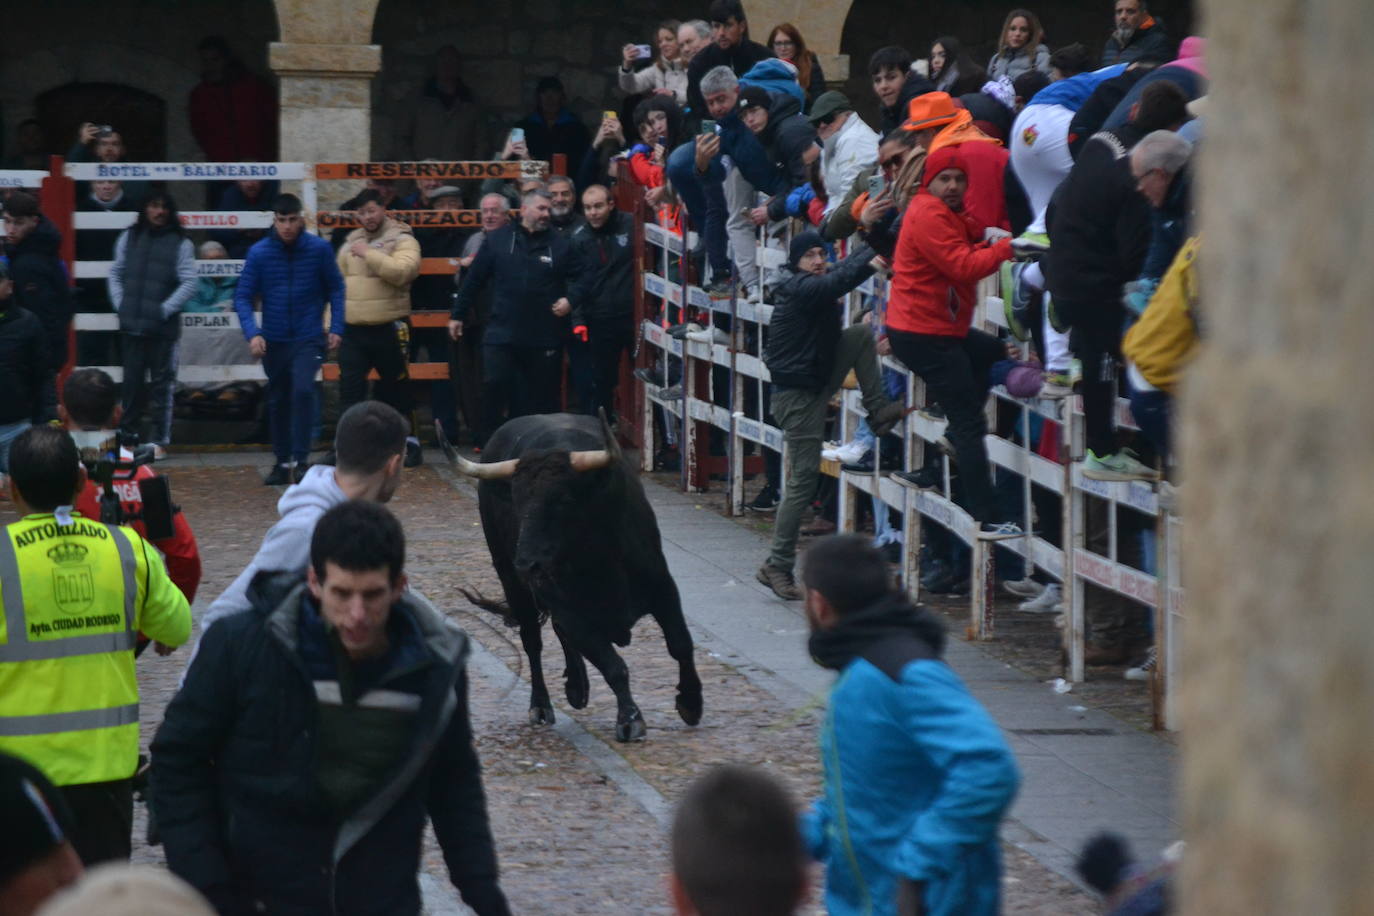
x=589, y=461
x=612, y=443
x=496, y=470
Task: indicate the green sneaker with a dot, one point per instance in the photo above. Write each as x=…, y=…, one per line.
x=1119, y=466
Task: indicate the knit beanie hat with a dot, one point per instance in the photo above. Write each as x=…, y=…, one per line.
x=34, y=813
x=945, y=158
x=803, y=242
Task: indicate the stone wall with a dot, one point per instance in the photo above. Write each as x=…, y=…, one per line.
x=146, y=44
x=506, y=48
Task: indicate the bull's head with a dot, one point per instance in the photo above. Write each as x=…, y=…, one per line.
x=553, y=502
x=505, y=470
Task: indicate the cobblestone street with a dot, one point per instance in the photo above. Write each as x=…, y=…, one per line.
x=580, y=820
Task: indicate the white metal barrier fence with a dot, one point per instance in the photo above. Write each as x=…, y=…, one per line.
x=726, y=404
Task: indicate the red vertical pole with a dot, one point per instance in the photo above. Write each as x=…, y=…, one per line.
x=559, y=164
x=57, y=198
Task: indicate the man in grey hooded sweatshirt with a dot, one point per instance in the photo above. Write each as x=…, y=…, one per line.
x=370, y=443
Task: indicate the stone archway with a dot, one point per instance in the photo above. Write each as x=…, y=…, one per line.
x=326, y=62
x=821, y=24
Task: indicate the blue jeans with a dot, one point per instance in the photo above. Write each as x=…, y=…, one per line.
x=291, y=366
x=704, y=195
x=8, y=433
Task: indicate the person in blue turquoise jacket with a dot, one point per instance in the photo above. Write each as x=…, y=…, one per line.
x=917, y=774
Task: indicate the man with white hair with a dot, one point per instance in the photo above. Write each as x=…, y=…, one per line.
x=1159, y=165
x=692, y=36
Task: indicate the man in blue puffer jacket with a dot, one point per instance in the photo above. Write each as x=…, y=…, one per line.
x=917, y=774
x=295, y=274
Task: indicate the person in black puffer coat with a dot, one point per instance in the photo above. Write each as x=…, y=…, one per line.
x=33, y=245
x=24, y=367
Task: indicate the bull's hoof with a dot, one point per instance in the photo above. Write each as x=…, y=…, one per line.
x=689, y=707
x=630, y=729
x=541, y=715
x=578, y=688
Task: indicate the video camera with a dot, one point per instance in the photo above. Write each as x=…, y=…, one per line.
x=102, y=455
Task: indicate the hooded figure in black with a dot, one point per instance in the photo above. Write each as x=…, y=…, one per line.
x=33, y=245
x=551, y=128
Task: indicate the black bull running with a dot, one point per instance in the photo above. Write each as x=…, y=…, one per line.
x=574, y=540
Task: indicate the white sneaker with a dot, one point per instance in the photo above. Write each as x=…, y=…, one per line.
x=849, y=453
x=1049, y=601
x=1023, y=588
x=159, y=453
x=711, y=335
x=1143, y=671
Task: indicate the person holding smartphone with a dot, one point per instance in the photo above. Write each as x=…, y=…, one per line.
x=666, y=76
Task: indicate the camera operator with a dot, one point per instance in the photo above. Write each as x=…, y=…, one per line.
x=90, y=404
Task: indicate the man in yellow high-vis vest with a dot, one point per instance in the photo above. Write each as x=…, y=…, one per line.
x=74, y=594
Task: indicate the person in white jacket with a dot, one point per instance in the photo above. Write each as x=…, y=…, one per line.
x=848, y=145
x=666, y=76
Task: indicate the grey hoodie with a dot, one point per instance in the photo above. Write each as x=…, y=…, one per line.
x=286, y=546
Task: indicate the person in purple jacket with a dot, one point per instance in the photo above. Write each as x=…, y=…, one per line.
x=294, y=274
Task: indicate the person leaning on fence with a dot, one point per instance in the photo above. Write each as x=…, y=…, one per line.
x=77, y=593
x=736, y=848
x=917, y=774
x=294, y=274
x=152, y=277
x=33, y=246
x=937, y=265
x=1100, y=234
x=379, y=260
x=808, y=357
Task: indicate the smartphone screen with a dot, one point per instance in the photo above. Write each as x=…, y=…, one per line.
x=708, y=126
x=517, y=134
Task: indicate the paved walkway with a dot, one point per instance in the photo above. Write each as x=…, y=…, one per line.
x=1083, y=770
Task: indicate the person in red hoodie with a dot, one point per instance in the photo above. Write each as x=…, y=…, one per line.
x=233, y=111
x=90, y=403
x=937, y=264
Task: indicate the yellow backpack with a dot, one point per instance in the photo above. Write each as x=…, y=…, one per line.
x=1165, y=338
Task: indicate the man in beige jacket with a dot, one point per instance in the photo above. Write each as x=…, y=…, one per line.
x=379, y=260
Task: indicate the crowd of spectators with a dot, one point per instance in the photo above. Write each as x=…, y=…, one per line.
x=1066, y=169
x=1027, y=158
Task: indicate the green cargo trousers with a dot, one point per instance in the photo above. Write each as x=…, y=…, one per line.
x=801, y=415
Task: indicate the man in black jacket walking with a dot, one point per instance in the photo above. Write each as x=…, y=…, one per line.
x=605, y=245
x=295, y=769
x=24, y=367
x=40, y=283
x=537, y=281
x=808, y=357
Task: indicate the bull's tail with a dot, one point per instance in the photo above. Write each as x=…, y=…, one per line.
x=501, y=608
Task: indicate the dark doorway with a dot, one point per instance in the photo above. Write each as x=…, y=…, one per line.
x=140, y=117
